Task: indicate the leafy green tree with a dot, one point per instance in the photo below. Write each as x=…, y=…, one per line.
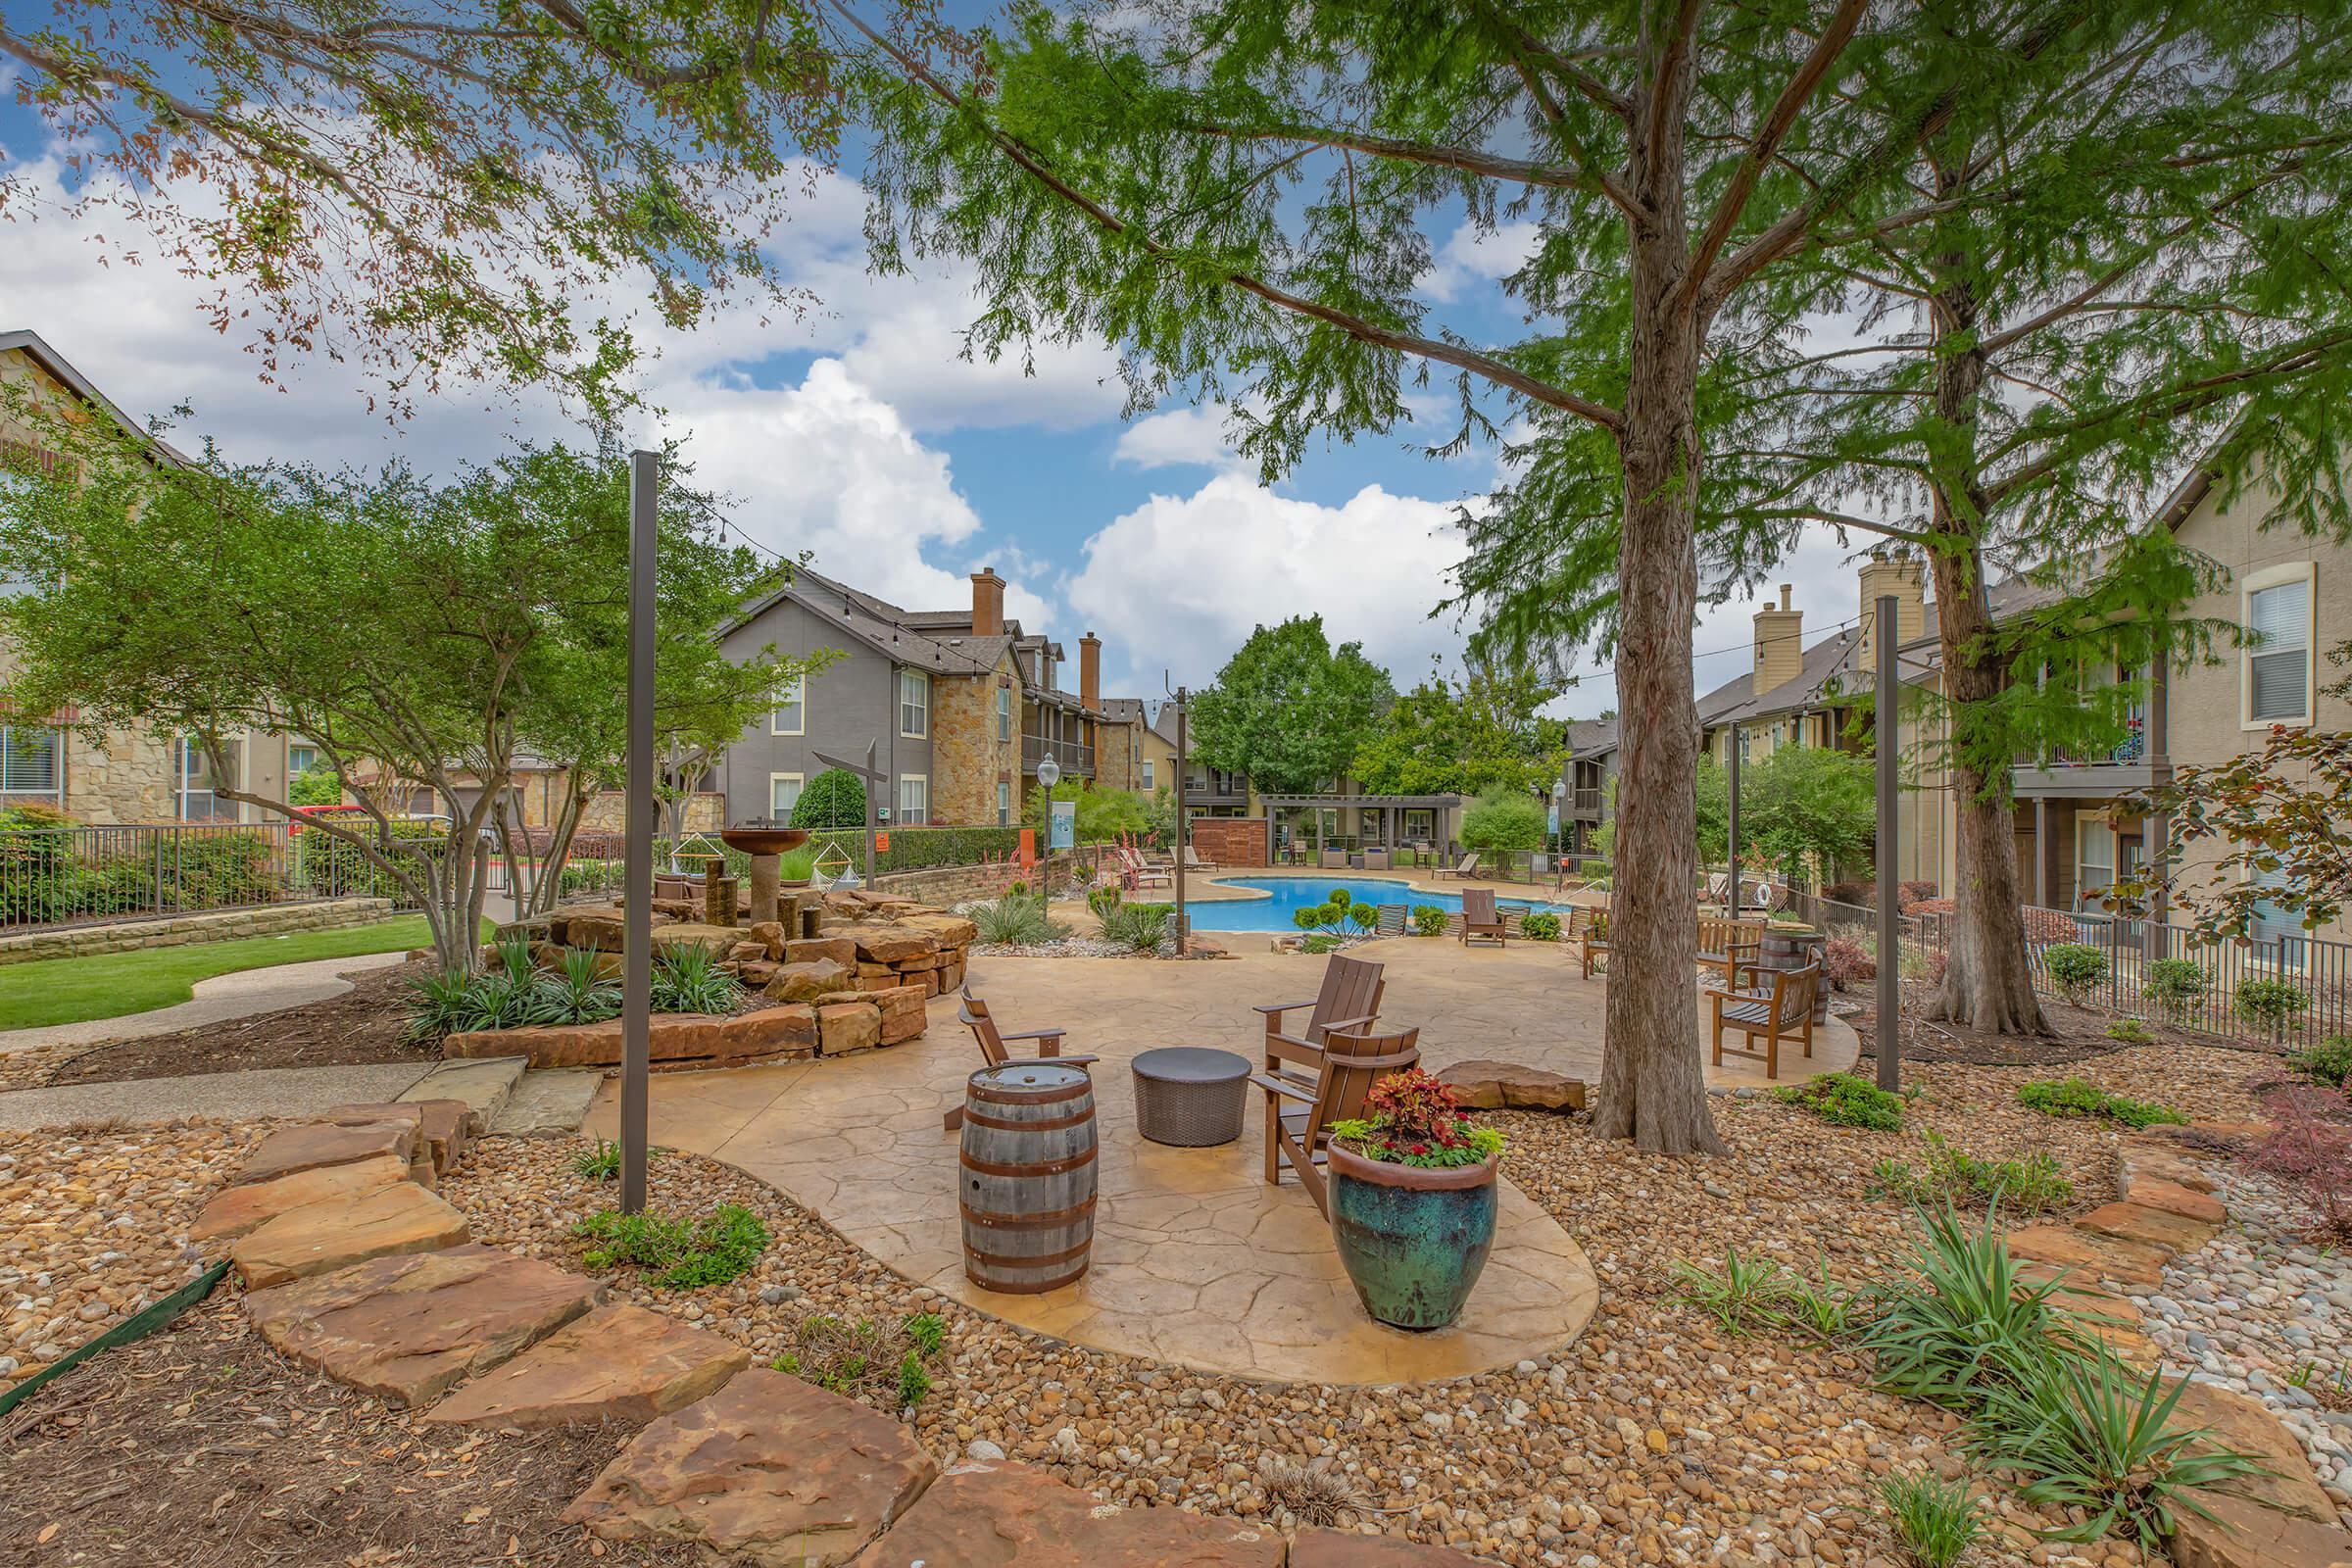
x=1503, y=819
x=434, y=633
x=1461, y=738
x=835, y=798
x=1290, y=709
x=1808, y=809
x=1241, y=197
x=1102, y=813
x=428, y=187
x=314, y=786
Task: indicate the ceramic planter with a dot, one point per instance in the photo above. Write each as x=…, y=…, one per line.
x=1412, y=1239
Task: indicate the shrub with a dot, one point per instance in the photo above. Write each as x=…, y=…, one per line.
x=2269, y=1003
x=1963, y=1320
x=1502, y=820
x=1414, y=1118
x=2079, y=1097
x=316, y=785
x=687, y=978
x=1844, y=1100
x=880, y=1364
x=1015, y=920
x=1100, y=901
x=2310, y=1149
x=1540, y=925
x=2327, y=1063
x=1847, y=964
x=796, y=866
x=2032, y=1186
x=2176, y=985
x=1320, y=942
x=1936, y=1520
x=1138, y=927
x=676, y=1255
x=835, y=798
x=2076, y=968
x=1908, y=894
x=2131, y=1032
x=1429, y=920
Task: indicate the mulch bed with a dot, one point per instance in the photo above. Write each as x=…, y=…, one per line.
x=361, y=1025
x=2078, y=1034
x=201, y=1447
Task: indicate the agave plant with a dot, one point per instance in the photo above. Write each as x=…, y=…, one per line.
x=438, y=1006
x=687, y=978
x=578, y=992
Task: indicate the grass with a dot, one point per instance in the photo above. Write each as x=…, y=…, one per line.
x=115, y=985
x=675, y=1254
x=1844, y=1100
x=2077, y=1097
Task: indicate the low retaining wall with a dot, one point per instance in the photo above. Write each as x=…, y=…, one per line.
x=218, y=925
x=947, y=886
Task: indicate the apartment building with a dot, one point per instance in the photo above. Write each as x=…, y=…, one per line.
x=963, y=705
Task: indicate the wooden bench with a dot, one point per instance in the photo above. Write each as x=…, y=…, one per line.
x=1783, y=1013
x=1728, y=943
x=1588, y=936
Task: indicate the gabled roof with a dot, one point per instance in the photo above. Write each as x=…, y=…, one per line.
x=60, y=370
x=1122, y=710
x=1591, y=737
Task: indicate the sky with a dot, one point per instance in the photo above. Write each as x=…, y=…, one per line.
x=861, y=433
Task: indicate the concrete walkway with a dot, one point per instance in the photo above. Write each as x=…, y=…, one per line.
x=223, y=997
x=220, y=1096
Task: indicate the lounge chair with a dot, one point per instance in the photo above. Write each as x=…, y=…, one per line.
x=1783, y=1012
x=1467, y=869
x=1194, y=862
x=1729, y=943
x=1391, y=920
x=975, y=1015
x=1480, y=922
x=1300, y=1116
x=1589, y=936
x=1144, y=873
x=1349, y=999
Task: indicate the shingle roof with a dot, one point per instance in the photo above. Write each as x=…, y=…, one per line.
x=1120, y=709
x=29, y=343
x=1589, y=737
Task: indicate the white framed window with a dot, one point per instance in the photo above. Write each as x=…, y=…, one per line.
x=1147, y=783
x=1004, y=804
x=1003, y=712
x=29, y=760
x=2095, y=856
x=195, y=786
x=2276, y=678
x=783, y=794
x=301, y=757
x=915, y=703
x=914, y=799
x=790, y=715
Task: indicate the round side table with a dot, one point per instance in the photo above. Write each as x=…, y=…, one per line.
x=1190, y=1097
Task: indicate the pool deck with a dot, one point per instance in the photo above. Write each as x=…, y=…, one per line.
x=1196, y=1259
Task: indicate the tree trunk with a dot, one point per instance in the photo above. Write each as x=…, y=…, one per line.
x=1653, y=1084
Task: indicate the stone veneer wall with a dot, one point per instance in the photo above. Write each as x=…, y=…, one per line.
x=607, y=810
x=1116, y=755
x=218, y=925
x=1231, y=840
x=967, y=760
x=949, y=885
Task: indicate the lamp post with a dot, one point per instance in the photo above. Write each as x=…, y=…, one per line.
x=1560, y=817
x=1049, y=774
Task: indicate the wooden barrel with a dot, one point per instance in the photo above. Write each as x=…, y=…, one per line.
x=1793, y=950
x=1027, y=1176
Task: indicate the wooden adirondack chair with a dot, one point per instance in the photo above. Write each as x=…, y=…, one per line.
x=1478, y=920
x=1589, y=936
x=1349, y=999
x=992, y=1042
x=1783, y=1013
x=1298, y=1115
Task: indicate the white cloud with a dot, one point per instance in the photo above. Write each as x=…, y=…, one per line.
x=1181, y=580
x=1179, y=435
x=1472, y=256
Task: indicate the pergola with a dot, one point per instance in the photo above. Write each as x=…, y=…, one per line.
x=1390, y=807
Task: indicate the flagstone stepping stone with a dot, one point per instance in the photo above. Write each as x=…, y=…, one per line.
x=406, y=1329
x=1502, y=1085
x=236, y=1211
x=2151, y=1227
x=2135, y=1265
x=2174, y=1197
x=770, y=1470
x=2243, y=1424
x=325, y=1142
x=1337, y=1549
x=482, y=1085
x=2247, y=1535
x=440, y=1126
x=320, y=1238
x=2165, y=1161
x=1009, y=1515
x=618, y=1363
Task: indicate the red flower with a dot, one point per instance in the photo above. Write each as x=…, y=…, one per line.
x=1419, y=1148
x=1461, y=1116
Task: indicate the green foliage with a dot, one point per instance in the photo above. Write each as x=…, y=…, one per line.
x=1321, y=941
x=1290, y=709
x=510, y=992
x=1501, y=820
x=2273, y=814
x=1412, y=1118
x=796, y=866
x=1104, y=814
x=1015, y=920
x=883, y=1364
x=1103, y=900
x=1138, y=927
x=675, y=1254
x=1540, y=925
x=2131, y=1032
x=1808, y=810
x=2327, y=1063
x=1844, y=1100
x=315, y=785
x=835, y=798
x=1743, y=1295
x=600, y=1163
x=687, y=978
x=2076, y=968
x=2268, y=1005
x=2079, y=1097
x=2177, y=985
x=1431, y=920
x=1963, y=1319
x=1936, y=1520
x=912, y=849
x=1485, y=732
x=2030, y=1186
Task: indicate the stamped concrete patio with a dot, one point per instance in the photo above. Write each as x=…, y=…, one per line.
x=1196, y=1260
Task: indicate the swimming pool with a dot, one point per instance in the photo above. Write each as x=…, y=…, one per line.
x=1294, y=893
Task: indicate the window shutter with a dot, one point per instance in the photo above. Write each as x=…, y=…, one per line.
x=2278, y=663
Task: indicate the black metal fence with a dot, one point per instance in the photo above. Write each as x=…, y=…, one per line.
x=58, y=876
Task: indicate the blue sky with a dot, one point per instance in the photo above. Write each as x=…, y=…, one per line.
x=858, y=433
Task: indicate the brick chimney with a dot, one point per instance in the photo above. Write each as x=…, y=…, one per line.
x=1904, y=575
x=988, y=603
x=1089, y=671
x=1779, y=645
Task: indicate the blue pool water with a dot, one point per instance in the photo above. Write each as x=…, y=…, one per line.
x=1294, y=893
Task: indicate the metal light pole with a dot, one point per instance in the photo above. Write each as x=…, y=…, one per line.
x=1183, y=834
x=637, y=874
x=1889, y=1044
x=1049, y=774
x=1731, y=820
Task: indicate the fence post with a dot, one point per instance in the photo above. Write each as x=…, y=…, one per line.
x=159, y=870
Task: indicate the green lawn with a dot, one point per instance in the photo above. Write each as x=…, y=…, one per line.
x=111, y=985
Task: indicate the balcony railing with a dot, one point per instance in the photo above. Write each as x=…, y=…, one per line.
x=1587, y=802
x=1073, y=757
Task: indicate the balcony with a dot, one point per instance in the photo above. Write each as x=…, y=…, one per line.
x=1586, y=805
x=1216, y=789
x=2119, y=770
x=1074, y=759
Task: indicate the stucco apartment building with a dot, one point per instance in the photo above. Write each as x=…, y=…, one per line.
x=961, y=705
x=128, y=775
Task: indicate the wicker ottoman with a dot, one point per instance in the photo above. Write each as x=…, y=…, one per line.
x=1189, y=1096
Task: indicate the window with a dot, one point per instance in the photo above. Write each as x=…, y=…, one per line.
x=195, y=786
x=1003, y=712
x=2271, y=923
x=914, y=799
x=301, y=757
x=914, y=703
x=2094, y=856
x=29, y=758
x=1004, y=804
x=2277, y=678
x=790, y=717
x=783, y=794
x=1147, y=783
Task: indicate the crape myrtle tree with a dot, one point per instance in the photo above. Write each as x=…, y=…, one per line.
x=1243, y=197
x=1289, y=708
x=1462, y=737
x=431, y=633
x=427, y=187
x=2131, y=263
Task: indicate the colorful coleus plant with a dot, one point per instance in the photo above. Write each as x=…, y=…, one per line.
x=1412, y=1119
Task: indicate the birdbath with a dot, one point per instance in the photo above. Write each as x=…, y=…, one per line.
x=764, y=841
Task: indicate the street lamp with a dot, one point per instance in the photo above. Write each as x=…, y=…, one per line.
x=1049, y=771
x=1559, y=814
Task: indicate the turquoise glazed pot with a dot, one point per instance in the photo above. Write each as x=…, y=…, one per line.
x=1414, y=1241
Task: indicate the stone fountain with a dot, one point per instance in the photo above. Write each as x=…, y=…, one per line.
x=764, y=839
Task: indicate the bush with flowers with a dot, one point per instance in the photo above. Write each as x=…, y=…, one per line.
x=1415, y=1119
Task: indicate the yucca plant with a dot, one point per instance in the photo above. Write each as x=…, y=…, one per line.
x=1014, y=921
x=1746, y=1293
x=687, y=978
x=438, y=1006
x=1969, y=1321
x=1936, y=1521
x=1819, y=1304
x=577, y=992
x=2090, y=1433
